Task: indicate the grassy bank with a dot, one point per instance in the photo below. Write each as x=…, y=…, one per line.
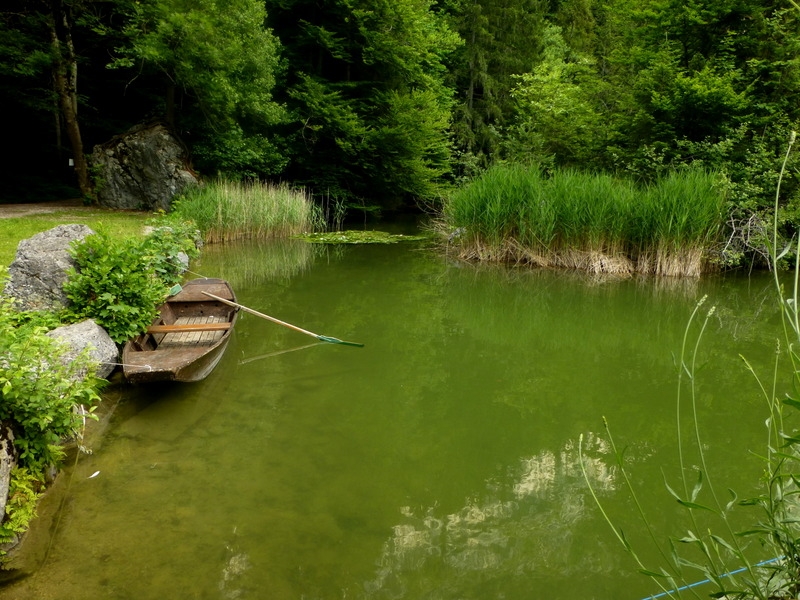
x=227, y=211
x=223, y=211
x=586, y=221
x=117, y=223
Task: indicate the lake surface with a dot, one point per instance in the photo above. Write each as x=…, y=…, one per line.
x=439, y=461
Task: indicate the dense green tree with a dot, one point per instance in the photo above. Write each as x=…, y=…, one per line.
x=366, y=88
x=559, y=118
x=695, y=70
x=216, y=61
x=578, y=23
x=502, y=39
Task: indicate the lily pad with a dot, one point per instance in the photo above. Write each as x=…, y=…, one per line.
x=359, y=237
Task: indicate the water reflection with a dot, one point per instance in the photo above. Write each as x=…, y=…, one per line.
x=237, y=563
x=247, y=264
x=432, y=463
x=506, y=534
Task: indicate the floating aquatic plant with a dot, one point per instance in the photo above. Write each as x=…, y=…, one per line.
x=359, y=237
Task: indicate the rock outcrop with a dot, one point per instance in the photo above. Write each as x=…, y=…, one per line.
x=8, y=460
x=142, y=169
x=39, y=271
x=88, y=334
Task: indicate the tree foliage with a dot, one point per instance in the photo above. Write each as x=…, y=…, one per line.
x=378, y=102
x=366, y=90
x=503, y=39
x=217, y=62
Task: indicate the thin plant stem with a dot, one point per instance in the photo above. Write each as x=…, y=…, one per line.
x=656, y=577
x=682, y=369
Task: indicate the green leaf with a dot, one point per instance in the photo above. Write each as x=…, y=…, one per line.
x=697, y=486
x=652, y=574
x=694, y=505
x=723, y=543
x=788, y=401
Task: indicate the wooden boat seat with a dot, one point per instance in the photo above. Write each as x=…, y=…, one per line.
x=190, y=331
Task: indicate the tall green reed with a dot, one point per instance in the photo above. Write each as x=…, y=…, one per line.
x=515, y=211
x=714, y=551
x=227, y=210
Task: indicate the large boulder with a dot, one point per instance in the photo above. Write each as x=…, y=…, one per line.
x=142, y=169
x=88, y=334
x=39, y=271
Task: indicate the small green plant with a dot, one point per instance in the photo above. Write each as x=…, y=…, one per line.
x=24, y=490
x=40, y=394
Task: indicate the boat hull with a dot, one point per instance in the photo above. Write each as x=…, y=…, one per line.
x=188, y=339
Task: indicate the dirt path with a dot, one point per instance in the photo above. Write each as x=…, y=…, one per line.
x=8, y=211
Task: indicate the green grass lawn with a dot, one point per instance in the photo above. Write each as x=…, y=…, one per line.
x=116, y=223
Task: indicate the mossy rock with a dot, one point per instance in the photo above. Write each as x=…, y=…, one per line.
x=359, y=237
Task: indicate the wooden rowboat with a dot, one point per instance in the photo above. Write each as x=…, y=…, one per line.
x=188, y=338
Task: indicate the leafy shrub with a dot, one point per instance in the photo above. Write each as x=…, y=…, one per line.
x=120, y=283
x=114, y=284
x=23, y=493
x=38, y=393
x=170, y=237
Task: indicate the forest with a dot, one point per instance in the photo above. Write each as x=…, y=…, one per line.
x=390, y=104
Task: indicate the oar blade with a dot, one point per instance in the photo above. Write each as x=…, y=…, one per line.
x=333, y=340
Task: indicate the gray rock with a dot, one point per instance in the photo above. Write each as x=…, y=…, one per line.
x=142, y=169
x=39, y=270
x=88, y=334
x=8, y=460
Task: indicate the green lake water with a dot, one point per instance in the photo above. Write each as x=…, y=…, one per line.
x=440, y=461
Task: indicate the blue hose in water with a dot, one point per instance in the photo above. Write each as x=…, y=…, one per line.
x=691, y=585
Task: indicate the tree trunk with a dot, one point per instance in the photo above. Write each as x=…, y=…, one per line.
x=65, y=80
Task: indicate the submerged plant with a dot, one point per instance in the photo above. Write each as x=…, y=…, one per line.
x=704, y=555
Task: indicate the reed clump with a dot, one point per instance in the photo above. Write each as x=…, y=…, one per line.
x=760, y=561
x=591, y=222
x=230, y=210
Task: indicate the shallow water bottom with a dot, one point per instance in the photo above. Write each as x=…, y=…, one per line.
x=439, y=461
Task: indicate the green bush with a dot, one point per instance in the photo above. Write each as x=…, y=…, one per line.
x=39, y=393
x=24, y=490
x=114, y=284
x=121, y=282
x=170, y=236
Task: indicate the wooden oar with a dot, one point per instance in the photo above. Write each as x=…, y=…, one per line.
x=322, y=338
